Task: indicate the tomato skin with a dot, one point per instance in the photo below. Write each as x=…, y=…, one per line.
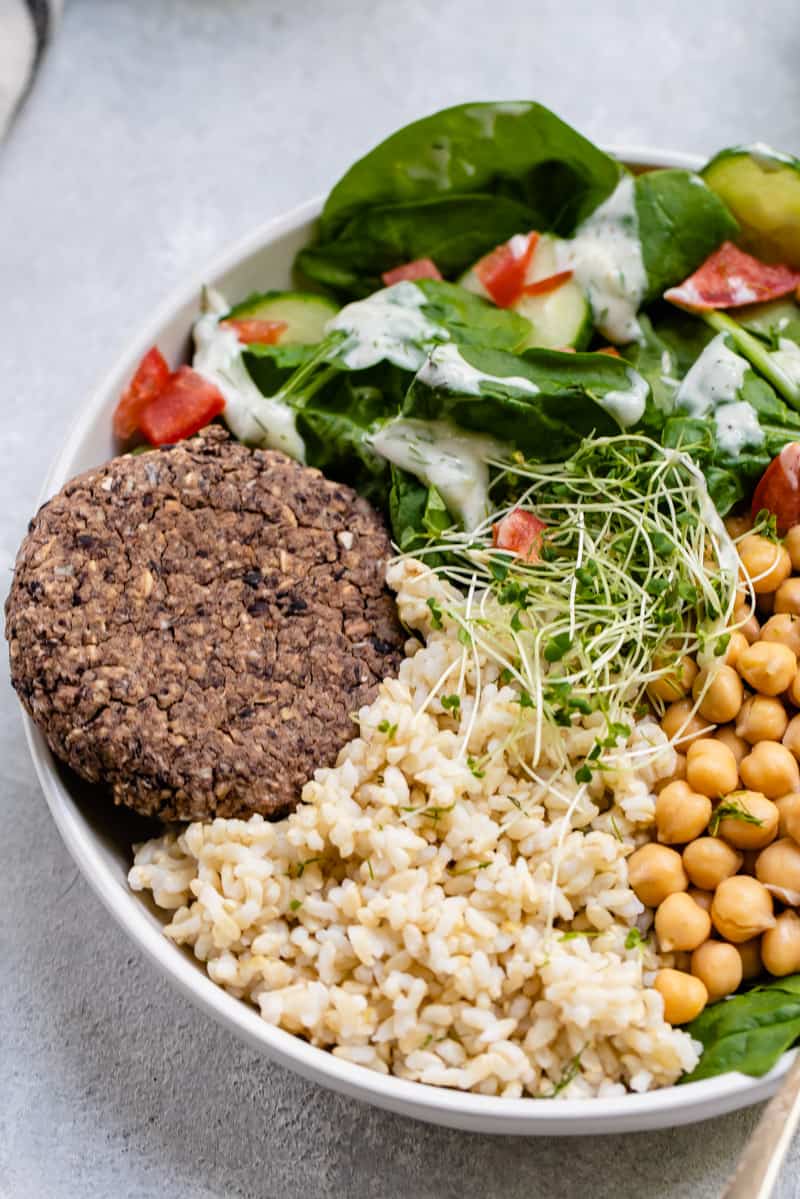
x=408, y=272
x=251, y=331
x=521, y=533
x=778, y=488
x=730, y=278
x=541, y=286
x=151, y=377
x=185, y=406
x=502, y=272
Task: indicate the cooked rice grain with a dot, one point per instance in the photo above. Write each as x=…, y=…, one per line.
x=406, y=916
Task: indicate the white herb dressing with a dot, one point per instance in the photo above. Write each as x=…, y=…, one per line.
x=737, y=427
x=251, y=417
x=715, y=378
x=388, y=325
x=605, y=255
x=787, y=357
x=446, y=368
x=445, y=457
x=627, y=407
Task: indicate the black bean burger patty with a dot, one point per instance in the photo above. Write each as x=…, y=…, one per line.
x=194, y=626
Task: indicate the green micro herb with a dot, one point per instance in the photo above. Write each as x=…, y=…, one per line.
x=295, y=904
x=388, y=729
x=571, y=1072
x=474, y=767
x=731, y=809
x=301, y=866
x=634, y=939
x=436, y=613
x=451, y=703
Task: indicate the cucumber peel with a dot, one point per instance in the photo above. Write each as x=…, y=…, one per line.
x=761, y=187
x=306, y=314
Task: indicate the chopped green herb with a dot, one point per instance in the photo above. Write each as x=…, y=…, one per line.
x=371, y=871
x=583, y=774
x=470, y=869
x=451, y=703
x=570, y=1073
x=295, y=904
x=634, y=939
x=388, y=729
x=301, y=866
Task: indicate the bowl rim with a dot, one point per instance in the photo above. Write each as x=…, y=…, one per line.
x=466, y=1110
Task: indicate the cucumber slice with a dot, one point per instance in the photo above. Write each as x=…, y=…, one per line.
x=772, y=320
x=305, y=314
x=558, y=318
x=762, y=189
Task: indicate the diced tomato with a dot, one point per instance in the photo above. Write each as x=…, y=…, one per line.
x=420, y=268
x=186, y=405
x=251, y=330
x=778, y=488
x=503, y=271
x=152, y=376
x=729, y=278
x=612, y=351
x=521, y=533
x=541, y=286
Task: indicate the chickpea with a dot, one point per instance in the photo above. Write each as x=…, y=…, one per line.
x=719, y=968
x=654, y=872
x=677, y=683
x=702, y=898
x=791, y=736
x=737, y=643
x=708, y=861
x=680, y=725
x=681, y=814
x=793, y=690
x=767, y=666
x=711, y=768
x=783, y=629
x=746, y=623
x=765, y=563
x=746, y=834
x=681, y=924
x=789, y=815
x=737, y=526
x=761, y=718
x=742, y=909
x=678, y=774
x=778, y=867
x=792, y=543
x=684, y=995
x=736, y=744
x=771, y=769
x=750, y=953
x=780, y=946
x=787, y=597
x=723, y=693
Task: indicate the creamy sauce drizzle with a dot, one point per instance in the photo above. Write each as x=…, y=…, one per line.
x=627, y=407
x=737, y=427
x=446, y=368
x=388, y=325
x=444, y=457
x=605, y=254
x=251, y=417
x=715, y=378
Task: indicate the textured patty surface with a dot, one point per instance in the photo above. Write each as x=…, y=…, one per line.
x=194, y=626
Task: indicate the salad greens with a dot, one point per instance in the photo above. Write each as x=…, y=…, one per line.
x=748, y=1032
x=452, y=186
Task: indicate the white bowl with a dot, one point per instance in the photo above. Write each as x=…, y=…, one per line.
x=98, y=835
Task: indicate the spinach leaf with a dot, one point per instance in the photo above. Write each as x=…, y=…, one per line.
x=269, y=366
x=470, y=320
x=680, y=222
x=563, y=406
x=473, y=168
x=453, y=230
x=749, y=1032
x=417, y=513
x=334, y=424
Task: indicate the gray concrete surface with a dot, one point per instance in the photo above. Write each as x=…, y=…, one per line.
x=158, y=131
